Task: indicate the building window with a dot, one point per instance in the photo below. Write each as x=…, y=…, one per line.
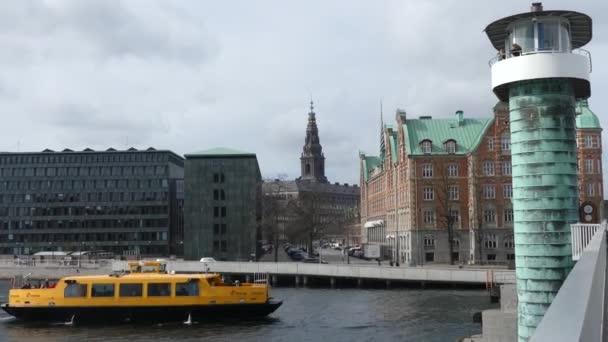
x=429, y=240
x=429, y=216
x=510, y=256
x=429, y=257
x=224, y=246
x=507, y=190
x=216, y=246
x=509, y=244
x=216, y=194
x=588, y=166
x=489, y=191
x=223, y=229
x=508, y=215
x=428, y=193
x=450, y=146
x=491, y=144
x=490, y=241
x=218, y=177
x=222, y=195
x=453, y=170
x=427, y=170
x=590, y=189
x=506, y=168
x=591, y=141
x=489, y=216
x=505, y=143
x=454, y=215
x=453, y=192
x=488, y=168
x=216, y=211
x=216, y=229
x=223, y=211
x=426, y=146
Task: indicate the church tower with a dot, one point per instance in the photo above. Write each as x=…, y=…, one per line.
x=312, y=159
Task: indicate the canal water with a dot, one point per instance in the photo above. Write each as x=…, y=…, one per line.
x=307, y=314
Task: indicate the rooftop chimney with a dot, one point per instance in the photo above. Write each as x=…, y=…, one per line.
x=536, y=7
x=459, y=117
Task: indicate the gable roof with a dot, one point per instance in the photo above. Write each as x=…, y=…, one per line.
x=467, y=135
x=369, y=164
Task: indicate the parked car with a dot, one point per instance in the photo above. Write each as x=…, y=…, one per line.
x=208, y=259
x=298, y=256
x=314, y=261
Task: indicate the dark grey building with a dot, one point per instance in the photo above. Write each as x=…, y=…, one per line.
x=124, y=202
x=222, y=205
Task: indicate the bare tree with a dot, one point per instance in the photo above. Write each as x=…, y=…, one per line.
x=446, y=217
x=312, y=218
x=478, y=226
x=344, y=221
x=274, y=211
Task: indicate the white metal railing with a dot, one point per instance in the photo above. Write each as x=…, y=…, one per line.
x=582, y=234
x=577, y=312
x=501, y=57
x=260, y=278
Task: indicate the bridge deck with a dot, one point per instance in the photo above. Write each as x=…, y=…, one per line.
x=445, y=274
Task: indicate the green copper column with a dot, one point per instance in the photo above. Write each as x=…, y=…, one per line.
x=545, y=192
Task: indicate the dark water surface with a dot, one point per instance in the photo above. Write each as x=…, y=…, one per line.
x=306, y=315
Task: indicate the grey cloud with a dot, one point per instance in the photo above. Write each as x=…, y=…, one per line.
x=193, y=75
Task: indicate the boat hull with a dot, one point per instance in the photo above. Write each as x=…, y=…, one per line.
x=107, y=314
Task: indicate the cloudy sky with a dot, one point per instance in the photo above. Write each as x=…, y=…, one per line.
x=191, y=75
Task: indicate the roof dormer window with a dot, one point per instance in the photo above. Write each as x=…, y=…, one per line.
x=426, y=146
x=450, y=146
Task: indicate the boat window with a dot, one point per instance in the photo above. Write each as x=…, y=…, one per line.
x=130, y=290
x=75, y=290
x=186, y=289
x=102, y=290
x=159, y=289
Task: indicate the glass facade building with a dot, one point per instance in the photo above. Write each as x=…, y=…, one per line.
x=124, y=202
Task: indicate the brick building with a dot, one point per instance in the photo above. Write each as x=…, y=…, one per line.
x=450, y=180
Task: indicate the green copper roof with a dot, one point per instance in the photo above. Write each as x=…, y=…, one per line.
x=220, y=152
x=370, y=163
x=587, y=119
x=467, y=135
x=393, y=143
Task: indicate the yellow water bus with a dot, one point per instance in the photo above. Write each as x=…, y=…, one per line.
x=145, y=293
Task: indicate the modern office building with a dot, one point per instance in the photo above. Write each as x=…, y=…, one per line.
x=457, y=172
x=123, y=202
x=222, y=205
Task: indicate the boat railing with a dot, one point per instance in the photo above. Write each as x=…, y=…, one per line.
x=260, y=278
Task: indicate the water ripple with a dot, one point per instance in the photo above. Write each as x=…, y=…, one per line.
x=306, y=315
